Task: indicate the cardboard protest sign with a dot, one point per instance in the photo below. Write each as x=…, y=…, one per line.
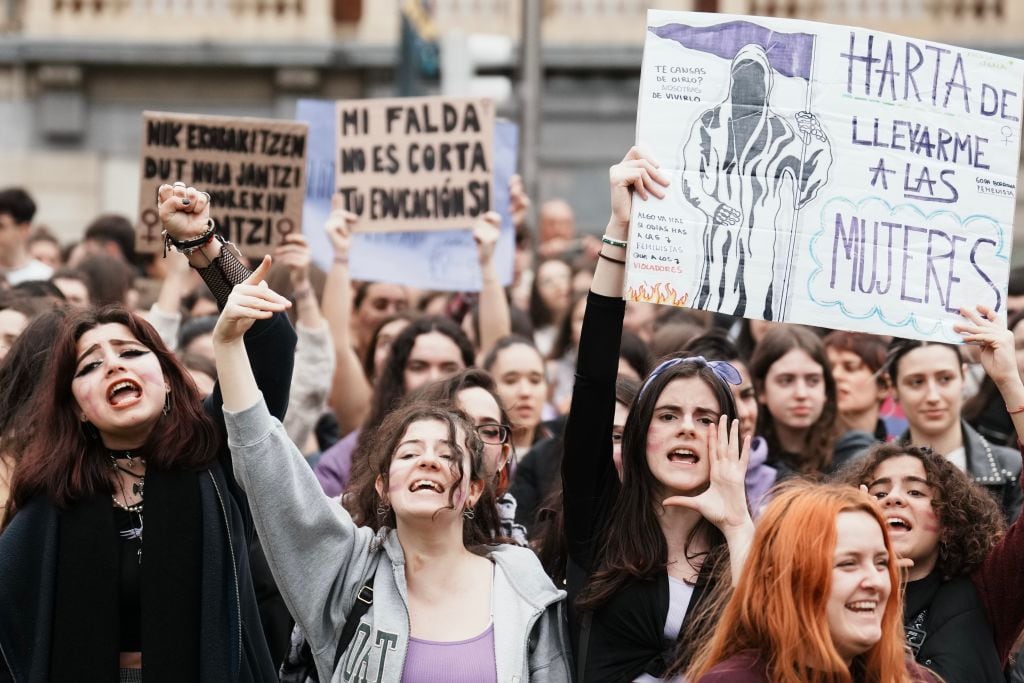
x=443, y=260
x=254, y=170
x=824, y=175
x=416, y=163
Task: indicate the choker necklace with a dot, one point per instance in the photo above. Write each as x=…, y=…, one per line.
x=137, y=487
x=122, y=455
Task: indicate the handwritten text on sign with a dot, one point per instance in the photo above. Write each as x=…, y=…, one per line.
x=415, y=163
x=825, y=175
x=254, y=170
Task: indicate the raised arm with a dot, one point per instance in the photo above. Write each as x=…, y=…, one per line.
x=165, y=313
x=317, y=555
x=495, y=319
x=350, y=390
x=997, y=579
x=314, y=354
x=589, y=480
x=185, y=216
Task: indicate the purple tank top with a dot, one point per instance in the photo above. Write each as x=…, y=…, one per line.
x=460, y=661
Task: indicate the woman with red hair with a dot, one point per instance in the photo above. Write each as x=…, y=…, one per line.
x=818, y=600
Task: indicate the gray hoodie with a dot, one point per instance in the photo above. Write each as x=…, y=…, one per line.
x=320, y=559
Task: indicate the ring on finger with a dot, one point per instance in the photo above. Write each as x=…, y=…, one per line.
x=177, y=183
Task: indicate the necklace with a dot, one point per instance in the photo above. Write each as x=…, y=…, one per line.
x=138, y=488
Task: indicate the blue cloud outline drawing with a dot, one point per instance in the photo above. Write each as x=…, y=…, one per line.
x=910, y=319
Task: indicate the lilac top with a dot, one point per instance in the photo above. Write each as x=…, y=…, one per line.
x=460, y=661
x=335, y=465
x=760, y=477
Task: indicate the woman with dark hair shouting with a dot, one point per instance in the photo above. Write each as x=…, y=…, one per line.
x=680, y=513
x=128, y=542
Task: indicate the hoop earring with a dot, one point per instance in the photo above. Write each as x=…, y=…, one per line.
x=469, y=513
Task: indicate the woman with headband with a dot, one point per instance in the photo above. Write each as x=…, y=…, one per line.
x=639, y=586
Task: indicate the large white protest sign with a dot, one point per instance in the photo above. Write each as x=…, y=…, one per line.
x=824, y=175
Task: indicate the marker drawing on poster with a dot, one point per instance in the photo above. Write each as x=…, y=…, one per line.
x=254, y=170
x=824, y=175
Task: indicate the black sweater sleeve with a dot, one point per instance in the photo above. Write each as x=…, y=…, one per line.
x=590, y=483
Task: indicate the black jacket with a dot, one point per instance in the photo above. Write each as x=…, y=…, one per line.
x=232, y=644
x=954, y=634
x=626, y=635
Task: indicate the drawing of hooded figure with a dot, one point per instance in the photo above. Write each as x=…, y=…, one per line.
x=741, y=163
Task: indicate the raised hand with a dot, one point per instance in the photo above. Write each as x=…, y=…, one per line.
x=184, y=211
x=997, y=354
x=637, y=172
x=724, y=503
x=519, y=201
x=486, y=231
x=339, y=228
x=250, y=301
x=293, y=252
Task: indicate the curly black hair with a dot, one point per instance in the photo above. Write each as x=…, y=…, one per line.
x=972, y=523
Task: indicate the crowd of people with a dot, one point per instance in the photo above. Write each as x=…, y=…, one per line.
x=214, y=468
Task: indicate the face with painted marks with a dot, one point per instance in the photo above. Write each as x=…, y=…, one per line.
x=118, y=385
x=901, y=486
x=422, y=474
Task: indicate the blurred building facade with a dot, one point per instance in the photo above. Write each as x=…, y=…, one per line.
x=76, y=74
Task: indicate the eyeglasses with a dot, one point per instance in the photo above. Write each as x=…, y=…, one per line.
x=493, y=433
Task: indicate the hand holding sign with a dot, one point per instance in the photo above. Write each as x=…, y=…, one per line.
x=519, y=201
x=339, y=229
x=293, y=252
x=998, y=354
x=637, y=172
x=486, y=231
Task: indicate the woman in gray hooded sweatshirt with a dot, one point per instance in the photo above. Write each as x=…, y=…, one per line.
x=435, y=602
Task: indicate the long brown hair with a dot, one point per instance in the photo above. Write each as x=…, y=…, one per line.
x=821, y=436
x=382, y=446
x=635, y=546
x=778, y=608
x=63, y=462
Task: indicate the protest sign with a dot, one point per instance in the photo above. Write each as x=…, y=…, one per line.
x=416, y=163
x=254, y=170
x=824, y=175
x=443, y=260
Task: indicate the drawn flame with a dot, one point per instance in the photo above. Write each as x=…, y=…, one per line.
x=660, y=293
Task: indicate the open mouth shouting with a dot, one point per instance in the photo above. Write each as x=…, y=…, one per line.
x=683, y=456
x=123, y=393
x=898, y=525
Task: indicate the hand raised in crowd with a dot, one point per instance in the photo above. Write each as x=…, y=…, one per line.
x=184, y=211
x=637, y=172
x=519, y=201
x=486, y=232
x=339, y=228
x=724, y=503
x=997, y=350
x=293, y=252
x=250, y=301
